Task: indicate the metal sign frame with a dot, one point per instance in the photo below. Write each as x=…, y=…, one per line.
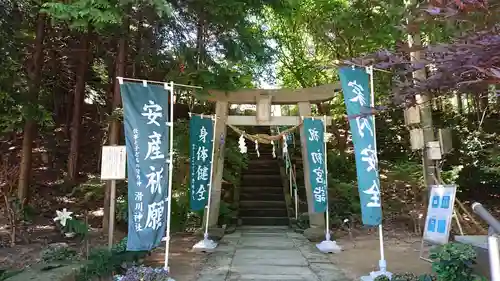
x=440, y=190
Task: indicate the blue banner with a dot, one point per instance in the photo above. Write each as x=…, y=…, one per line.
x=358, y=100
x=201, y=134
x=315, y=147
x=145, y=113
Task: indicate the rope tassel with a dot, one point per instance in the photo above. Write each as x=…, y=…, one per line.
x=242, y=144
x=257, y=148
x=274, y=149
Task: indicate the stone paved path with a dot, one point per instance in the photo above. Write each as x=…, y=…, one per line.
x=268, y=253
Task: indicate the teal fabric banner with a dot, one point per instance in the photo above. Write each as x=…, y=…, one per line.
x=145, y=113
x=315, y=147
x=201, y=134
x=358, y=100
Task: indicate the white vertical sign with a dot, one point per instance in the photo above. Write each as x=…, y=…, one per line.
x=113, y=162
x=440, y=214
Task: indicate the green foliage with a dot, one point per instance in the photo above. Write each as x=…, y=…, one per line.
x=413, y=277
x=453, y=262
x=120, y=247
x=6, y=274
x=404, y=277
x=342, y=188
x=98, y=14
x=82, y=14
x=427, y=277
x=54, y=254
x=103, y=263
x=76, y=226
x=236, y=162
x=226, y=213
x=122, y=209
x=303, y=221
x=382, y=278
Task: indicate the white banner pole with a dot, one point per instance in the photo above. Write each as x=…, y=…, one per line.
x=207, y=244
x=327, y=235
x=382, y=262
x=296, y=204
x=290, y=184
x=170, y=86
x=296, y=194
x=327, y=246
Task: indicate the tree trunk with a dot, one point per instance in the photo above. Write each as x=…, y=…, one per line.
x=115, y=125
x=136, y=66
x=30, y=125
x=424, y=102
x=78, y=99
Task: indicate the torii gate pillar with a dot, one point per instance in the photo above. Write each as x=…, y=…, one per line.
x=221, y=111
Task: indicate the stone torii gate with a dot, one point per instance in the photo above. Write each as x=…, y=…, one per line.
x=264, y=99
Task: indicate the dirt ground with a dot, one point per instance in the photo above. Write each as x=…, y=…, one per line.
x=184, y=263
x=361, y=254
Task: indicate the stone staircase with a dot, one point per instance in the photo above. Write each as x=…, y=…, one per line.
x=262, y=200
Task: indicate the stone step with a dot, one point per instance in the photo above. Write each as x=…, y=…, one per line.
x=263, y=158
x=252, y=168
x=264, y=190
x=263, y=171
x=259, y=277
x=264, y=213
x=263, y=151
x=258, y=169
x=246, y=204
x=251, y=196
x=260, y=180
x=259, y=186
x=260, y=183
x=264, y=221
x=262, y=161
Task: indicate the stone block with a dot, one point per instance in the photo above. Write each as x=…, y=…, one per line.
x=39, y=273
x=315, y=234
x=214, y=233
x=252, y=257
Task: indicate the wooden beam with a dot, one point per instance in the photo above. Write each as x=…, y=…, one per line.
x=239, y=120
x=279, y=96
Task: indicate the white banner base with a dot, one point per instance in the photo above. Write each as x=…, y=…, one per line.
x=205, y=245
x=329, y=246
x=375, y=274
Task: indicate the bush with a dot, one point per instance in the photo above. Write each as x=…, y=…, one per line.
x=62, y=253
x=453, y=262
x=382, y=278
x=103, y=263
x=404, y=277
x=427, y=277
